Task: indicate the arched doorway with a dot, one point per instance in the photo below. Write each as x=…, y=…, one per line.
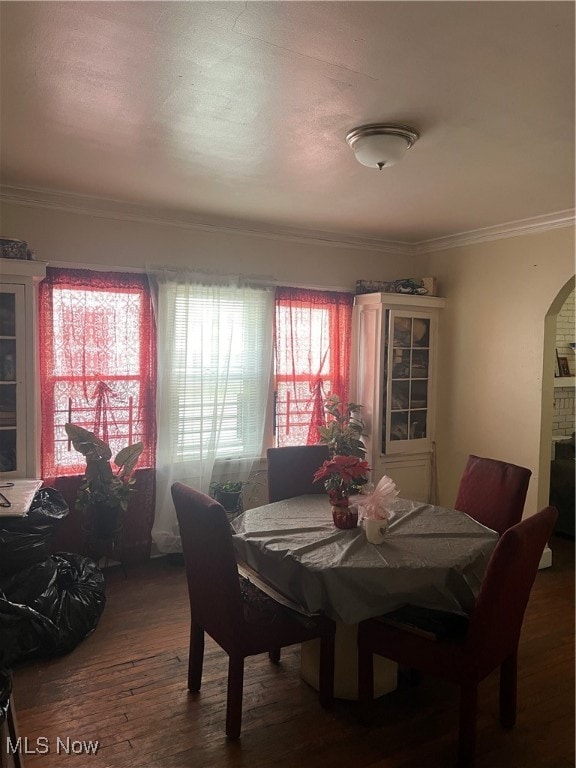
x=548, y=380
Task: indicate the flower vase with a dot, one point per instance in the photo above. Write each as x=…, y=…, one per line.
x=338, y=497
x=345, y=516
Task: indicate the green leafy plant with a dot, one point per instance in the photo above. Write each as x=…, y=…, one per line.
x=232, y=493
x=102, y=486
x=228, y=494
x=229, y=486
x=344, y=427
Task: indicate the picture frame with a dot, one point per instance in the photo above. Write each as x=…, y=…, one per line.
x=563, y=367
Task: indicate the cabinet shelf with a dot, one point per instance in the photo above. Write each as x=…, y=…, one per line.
x=564, y=381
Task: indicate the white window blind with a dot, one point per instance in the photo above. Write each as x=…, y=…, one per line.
x=214, y=367
x=217, y=353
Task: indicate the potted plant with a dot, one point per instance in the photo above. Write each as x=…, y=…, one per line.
x=343, y=431
x=104, y=493
x=228, y=494
x=343, y=476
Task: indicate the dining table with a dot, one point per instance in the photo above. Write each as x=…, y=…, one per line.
x=430, y=556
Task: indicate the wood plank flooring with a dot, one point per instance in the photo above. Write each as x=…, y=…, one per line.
x=125, y=686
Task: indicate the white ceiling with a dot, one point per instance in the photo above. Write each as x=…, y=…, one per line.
x=238, y=111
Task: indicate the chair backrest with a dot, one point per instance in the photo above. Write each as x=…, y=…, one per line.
x=493, y=492
x=497, y=617
x=211, y=569
x=291, y=470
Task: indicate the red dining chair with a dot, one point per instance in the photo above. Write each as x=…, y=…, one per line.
x=236, y=614
x=493, y=492
x=490, y=639
x=291, y=470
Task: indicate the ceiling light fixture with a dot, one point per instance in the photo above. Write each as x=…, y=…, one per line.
x=380, y=145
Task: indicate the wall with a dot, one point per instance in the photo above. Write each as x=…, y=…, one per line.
x=492, y=331
x=87, y=239
x=496, y=377
x=92, y=238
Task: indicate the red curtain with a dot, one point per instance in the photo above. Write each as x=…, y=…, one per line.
x=312, y=338
x=98, y=370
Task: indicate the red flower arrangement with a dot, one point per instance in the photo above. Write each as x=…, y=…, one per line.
x=342, y=476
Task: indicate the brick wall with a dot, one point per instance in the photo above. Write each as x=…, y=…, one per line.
x=563, y=418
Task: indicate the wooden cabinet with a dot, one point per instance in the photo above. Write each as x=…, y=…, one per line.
x=393, y=378
x=19, y=409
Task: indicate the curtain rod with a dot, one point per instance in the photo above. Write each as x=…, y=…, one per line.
x=254, y=279
x=264, y=281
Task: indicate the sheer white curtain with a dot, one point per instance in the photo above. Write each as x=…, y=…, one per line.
x=214, y=363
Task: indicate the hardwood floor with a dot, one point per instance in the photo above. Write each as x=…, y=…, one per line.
x=125, y=686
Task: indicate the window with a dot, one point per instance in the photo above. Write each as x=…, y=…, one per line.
x=97, y=364
x=215, y=352
x=312, y=360
x=98, y=370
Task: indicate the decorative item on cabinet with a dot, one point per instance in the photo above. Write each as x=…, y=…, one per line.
x=421, y=286
x=11, y=248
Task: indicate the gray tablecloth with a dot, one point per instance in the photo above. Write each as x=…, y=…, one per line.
x=432, y=557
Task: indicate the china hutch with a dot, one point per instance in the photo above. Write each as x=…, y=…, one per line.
x=393, y=377
x=19, y=408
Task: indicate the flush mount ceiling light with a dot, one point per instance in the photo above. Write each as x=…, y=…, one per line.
x=380, y=145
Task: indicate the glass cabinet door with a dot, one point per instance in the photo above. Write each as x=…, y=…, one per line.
x=406, y=389
x=11, y=403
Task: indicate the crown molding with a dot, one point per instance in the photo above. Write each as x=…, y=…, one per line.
x=119, y=210
x=535, y=225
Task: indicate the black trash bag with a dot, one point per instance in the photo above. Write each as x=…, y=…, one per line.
x=8, y=635
x=52, y=608
x=24, y=633
x=81, y=599
x=49, y=503
x=34, y=586
x=26, y=540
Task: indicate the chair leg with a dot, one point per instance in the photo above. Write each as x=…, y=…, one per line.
x=326, y=671
x=365, y=674
x=13, y=734
x=274, y=655
x=234, y=697
x=467, y=731
x=195, y=657
x=508, y=687
x=12, y=727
